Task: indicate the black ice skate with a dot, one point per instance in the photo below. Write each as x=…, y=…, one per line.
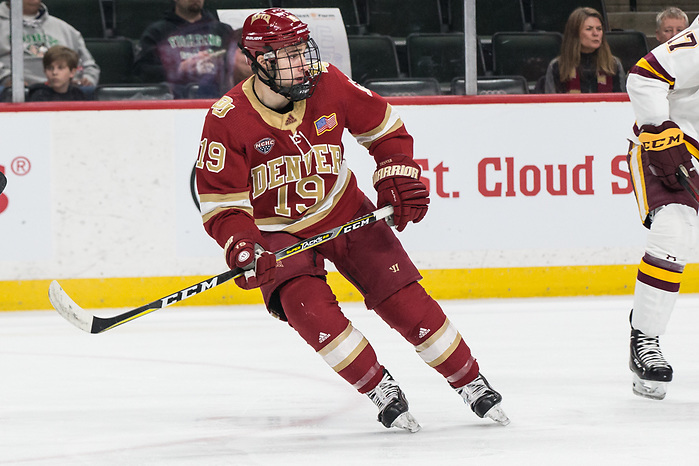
x=483, y=400
x=651, y=372
x=393, y=407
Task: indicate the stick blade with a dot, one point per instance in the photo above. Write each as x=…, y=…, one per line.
x=68, y=309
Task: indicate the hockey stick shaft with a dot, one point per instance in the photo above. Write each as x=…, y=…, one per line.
x=93, y=324
x=684, y=179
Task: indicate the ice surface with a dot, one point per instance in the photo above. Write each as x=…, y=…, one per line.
x=233, y=386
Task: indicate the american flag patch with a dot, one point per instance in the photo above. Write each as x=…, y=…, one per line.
x=325, y=123
x=265, y=145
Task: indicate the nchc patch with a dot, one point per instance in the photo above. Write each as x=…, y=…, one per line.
x=263, y=146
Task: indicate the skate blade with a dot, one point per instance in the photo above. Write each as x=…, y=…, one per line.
x=498, y=415
x=406, y=421
x=649, y=388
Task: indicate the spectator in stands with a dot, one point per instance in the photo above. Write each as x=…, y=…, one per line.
x=41, y=31
x=188, y=46
x=60, y=66
x=586, y=63
x=669, y=22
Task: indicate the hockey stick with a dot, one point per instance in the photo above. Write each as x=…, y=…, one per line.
x=3, y=182
x=683, y=177
x=90, y=323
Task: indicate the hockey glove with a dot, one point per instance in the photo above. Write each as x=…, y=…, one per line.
x=397, y=182
x=251, y=256
x=666, y=150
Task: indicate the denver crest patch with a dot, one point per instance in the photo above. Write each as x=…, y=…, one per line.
x=325, y=123
x=263, y=146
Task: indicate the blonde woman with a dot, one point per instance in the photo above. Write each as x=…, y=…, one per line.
x=586, y=64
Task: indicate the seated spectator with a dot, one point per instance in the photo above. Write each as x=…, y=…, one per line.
x=41, y=31
x=188, y=46
x=669, y=23
x=60, y=66
x=586, y=64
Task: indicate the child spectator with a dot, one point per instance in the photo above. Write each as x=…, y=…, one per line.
x=41, y=31
x=60, y=66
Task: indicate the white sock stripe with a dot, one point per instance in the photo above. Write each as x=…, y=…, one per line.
x=461, y=372
x=364, y=380
x=440, y=345
x=344, y=348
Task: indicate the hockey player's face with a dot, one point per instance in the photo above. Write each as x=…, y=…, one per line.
x=291, y=65
x=292, y=71
x=591, y=34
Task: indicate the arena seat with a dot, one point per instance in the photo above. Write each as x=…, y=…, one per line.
x=133, y=16
x=525, y=54
x=627, y=46
x=87, y=16
x=493, y=85
x=439, y=56
x=373, y=57
x=491, y=16
x=115, y=58
x=552, y=15
x=404, y=86
x=156, y=91
x=399, y=18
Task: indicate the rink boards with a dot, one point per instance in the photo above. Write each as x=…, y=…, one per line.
x=530, y=197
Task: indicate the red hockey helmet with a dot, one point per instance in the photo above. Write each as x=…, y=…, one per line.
x=266, y=33
x=272, y=29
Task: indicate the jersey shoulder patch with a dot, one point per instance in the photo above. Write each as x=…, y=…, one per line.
x=222, y=106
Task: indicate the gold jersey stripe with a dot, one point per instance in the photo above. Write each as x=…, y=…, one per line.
x=643, y=63
x=230, y=197
x=639, y=184
x=660, y=274
x=390, y=123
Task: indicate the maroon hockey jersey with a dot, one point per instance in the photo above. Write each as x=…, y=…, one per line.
x=286, y=171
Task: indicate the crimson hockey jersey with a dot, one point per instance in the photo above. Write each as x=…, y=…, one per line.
x=287, y=170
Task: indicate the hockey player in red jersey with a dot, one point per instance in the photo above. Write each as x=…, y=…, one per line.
x=271, y=171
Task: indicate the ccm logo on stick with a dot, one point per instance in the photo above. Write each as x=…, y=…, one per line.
x=356, y=225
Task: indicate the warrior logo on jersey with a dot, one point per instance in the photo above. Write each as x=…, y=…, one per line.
x=263, y=146
x=325, y=123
